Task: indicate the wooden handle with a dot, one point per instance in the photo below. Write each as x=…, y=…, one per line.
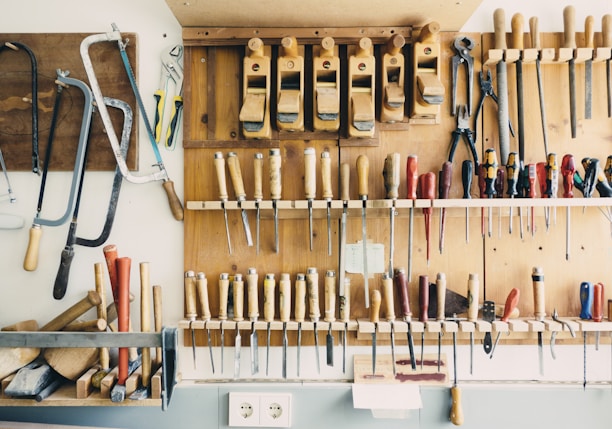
x=606, y=30
x=327, y=44
x=94, y=325
x=473, y=296
x=387, y=287
x=145, y=320
x=375, y=300
x=569, y=27
x=429, y=32
x=441, y=295
x=238, y=290
x=412, y=177
x=391, y=174
x=290, y=46
x=72, y=313
x=189, y=284
x=499, y=26
x=312, y=286
x=275, y=174
x=310, y=177
x=233, y=165
x=284, y=297
x=103, y=352
x=223, y=295
x=176, y=207
x=598, y=300
x=423, y=298
x=511, y=303
x=517, y=23
x=456, y=414
x=364, y=48
x=330, y=296
x=401, y=284
x=363, y=170
x=269, y=291
x=326, y=175
x=537, y=277
x=345, y=301
x=202, y=294
x=534, y=32
x=123, y=312
x=395, y=43
x=300, y=298
x=258, y=176
x=110, y=256
x=345, y=176
x=256, y=47
x=30, y=262
x=589, y=32
x=220, y=169
x=158, y=319
x=252, y=279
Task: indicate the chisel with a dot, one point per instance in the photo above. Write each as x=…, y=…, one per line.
x=569, y=42
x=440, y=316
x=284, y=307
x=606, y=39
x=586, y=303
x=233, y=165
x=537, y=277
x=275, y=189
x=535, y=43
x=391, y=174
x=191, y=308
x=412, y=179
x=402, y=291
x=363, y=170
x=499, y=23
x=330, y=313
x=220, y=169
x=345, y=314
x=202, y=293
x=423, y=308
x=310, y=184
x=327, y=193
x=258, y=192
x=238, y=290
x=223, y=300
x=345, y=171
x=473, y=294
x=588, y=66
x=312, y=285
x=374, y=315
x=252, y=279
x=269, y=290
x=387, y=287
x=300, y=312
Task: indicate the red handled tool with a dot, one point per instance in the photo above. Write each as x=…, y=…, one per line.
x=427, y=190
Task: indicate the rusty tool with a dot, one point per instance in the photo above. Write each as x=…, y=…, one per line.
x=511, y=302
x=275, y=189
x=535, y=43
x=444, y=183
x=441, y=304
x=224, y=283
x=345, y=314
x=391, y=174
x=258, y=192
x=499, y=18
x=300, y=312
x=423, y=306
x=606, y=38
x=412, y=180
x=589, y=34
x=330, y=313
x=537, y=277
x=374, y=316
x=401, y=285
x=569, y=41
x=467, y=174
x=427, y=190
x=327, y=193
x=310, y=184
x=473, y=294
x=387, y=287
x=238, y=296
x=191, y=308
x=269, y=291
x=233, y=165
x=516, y=24
x=312, y=286
x=202, y=295
x=252, y=279
x=219, y=162
x=284, y=307
x=363, y=170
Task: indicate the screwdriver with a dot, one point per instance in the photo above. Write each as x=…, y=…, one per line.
x=275, y=188
x=391, y=174
x=269, y=290
x=402, y=288
x=223, y=299
x=387, y=287
x=258, y=192
x=190, y=307
x=586, y=302
x=412, y=177
x=423, y=308
x=327, y=193
x=202, y=293
x=427, y=190
x=345, y=314
x=499, y=192
x=233, y=165
x=312, y=286
x=512, y=172
x=467, y=173
x=284, y=306
x=568, y=168
x=363, y=170
x=444, y=184
x=541, y=174
x=300, y=312
x=490, y=174
x=310, y=184
x=219, y=162
x=511, y=303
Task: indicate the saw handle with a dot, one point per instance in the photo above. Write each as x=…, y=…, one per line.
x=30, y=262
x=175, y=203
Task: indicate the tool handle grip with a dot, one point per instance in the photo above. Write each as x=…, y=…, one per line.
x=363, y=170
x=73, y=312
x=238, y=295
x=269, y=288
x=511, y=303
x=219, y=162
x=345, y=301
x=467, y=174
x=537, y=277
x=160, y=102
x=312, y=286
x=456, y=414
x=444, y=180
x=598, y=300
x=300, y=298
x=177, y=105
x=330, y=296
x=202, y=293
x=401, y=284
x=345, y=177
x=391, y=174
x=158, y=319
x=423, y=298
x=589, y=32
x=223, y=295
x=233, y=165
x=124, y=265
x=275, y=174
x=541, y=174
x=569, y=27
x=499, y=28
x=189, y=284
x=258, y=176
x=473, y=296
x=387, y=287
x=284, y=297
x=310, y=174
x=412, y=176
x=30, y=262
x=176, y=207
x=490, y=166
x=516, y=23
x=326, y=175
x=110, y=256
x=252, y=294
x=534, y=32
x=586, y=300
x=427, y=186
x=606, y=30
x=512, y=173
x=145, y=320
x=63, y=272
x=104, y=355
x=441, y=295
x=375, y=300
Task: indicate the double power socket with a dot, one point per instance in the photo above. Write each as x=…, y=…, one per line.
x=249, y=409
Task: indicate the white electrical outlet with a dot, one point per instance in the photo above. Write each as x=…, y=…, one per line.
x=248, y=409
x=244, y=409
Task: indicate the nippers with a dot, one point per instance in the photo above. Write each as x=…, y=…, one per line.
x=463, y=45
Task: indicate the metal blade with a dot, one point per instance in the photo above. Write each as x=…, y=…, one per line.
x=364, y=237
x=222, y=345
x=268, y=349
x=330, y=346
x=247, y=229
x=254, y=351
x=285, y=349
x=299, y=347
x=227, y=233
x=374, y=351
x=316, y=340
x=572, y=89
x=212, y=362
x=411, y=348
x=588, y=92
x=344, y=339
x=257, y=228
x=275, y=226
x=237, y=348
x=193, y=345
x=393, y=348
x=329, y=240
x=540, y=353
x=310, y=222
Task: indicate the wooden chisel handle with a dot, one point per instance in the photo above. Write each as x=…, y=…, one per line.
x=238, y=290
x=30, y=262
x=387, y=287
x=375, y=300
x=252, y=294
x=202, y=294
x=233, y=165
x=473, y=296
x=569, y=27
x=441, y=295
x=345, y=301
x=111, y=255
x=176, y=207
x=300, y=297
x=401, y=284
x=423, y=298
x=269, y=291
x=363, y=170
x=190, y=295
x=326, y=176
x=534, y=32
x=310, y=177
x=391, y=174
x=123, y=311
x=606, y=30
x=81, y=307
x=516, y=23
x=104, y=355
x=330, y=296
x=284, y=297
x=537, y=276
x=223, y=295
x=219, y=162
x=312, y=286
x=145, y=319
x=345, y=176
x=157, y=319
x=258, y=176
x=275, y=174
x=499, y=26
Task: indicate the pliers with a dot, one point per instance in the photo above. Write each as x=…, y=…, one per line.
x=463, y=129
x=171, y=70
x=486, y=90
x=463, y=45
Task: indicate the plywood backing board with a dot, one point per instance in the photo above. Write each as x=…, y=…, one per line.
x=61, y=51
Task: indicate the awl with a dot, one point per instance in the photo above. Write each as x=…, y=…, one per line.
x=284, y=307
x=312, y=286
x=233, y=164
x=363, y=170
x=252, y=279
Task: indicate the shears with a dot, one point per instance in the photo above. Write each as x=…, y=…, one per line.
x=171, y=71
